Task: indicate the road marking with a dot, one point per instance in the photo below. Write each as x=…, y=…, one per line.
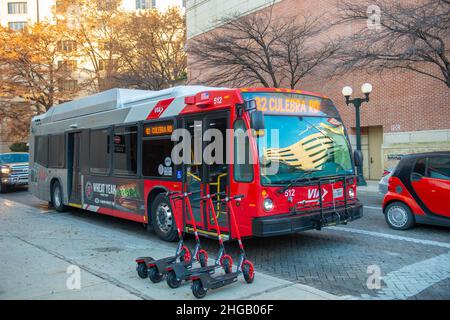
x=412, y=279
x=393, y=237
x=375, y=208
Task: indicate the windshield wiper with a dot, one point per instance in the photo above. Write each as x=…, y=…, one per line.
x=296, y=180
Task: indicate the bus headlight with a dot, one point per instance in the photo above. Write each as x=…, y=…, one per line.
x=351, y=193
x=5, y=170
x=268, y=204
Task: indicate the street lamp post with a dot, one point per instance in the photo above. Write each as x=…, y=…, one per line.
x=347, y=91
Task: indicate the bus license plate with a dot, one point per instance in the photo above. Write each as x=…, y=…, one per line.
x=338, y=193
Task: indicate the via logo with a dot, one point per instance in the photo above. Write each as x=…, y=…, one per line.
x=314, y=193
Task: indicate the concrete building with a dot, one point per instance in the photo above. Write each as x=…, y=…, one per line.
x=407, y=112
x=16, y=14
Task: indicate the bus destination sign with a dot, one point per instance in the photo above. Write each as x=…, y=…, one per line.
x=290, y=103
x=158, y=129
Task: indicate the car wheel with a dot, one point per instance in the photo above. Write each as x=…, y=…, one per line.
x=163, y=220
x=399, y=216
x=57, y=197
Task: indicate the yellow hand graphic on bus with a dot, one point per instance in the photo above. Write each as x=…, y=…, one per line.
x=310, y=153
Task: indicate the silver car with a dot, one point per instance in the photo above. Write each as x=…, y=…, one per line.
x=13, y=170
x=383, y=184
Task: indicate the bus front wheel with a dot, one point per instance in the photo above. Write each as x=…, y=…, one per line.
x=163, y=220
x=57, y=197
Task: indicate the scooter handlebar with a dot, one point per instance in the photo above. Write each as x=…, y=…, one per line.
x=212, y=195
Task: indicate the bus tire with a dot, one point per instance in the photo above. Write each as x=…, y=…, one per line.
x=57, y=197
x=163, y=221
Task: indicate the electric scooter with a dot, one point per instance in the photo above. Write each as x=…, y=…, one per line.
x=202, y=282
x=177, y=272
x=155, y=269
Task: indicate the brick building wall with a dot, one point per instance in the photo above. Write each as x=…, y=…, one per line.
x=412, y=110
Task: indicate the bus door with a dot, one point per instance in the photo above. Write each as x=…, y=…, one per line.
x=210, y=176
x=73, y=166
x=216, y=168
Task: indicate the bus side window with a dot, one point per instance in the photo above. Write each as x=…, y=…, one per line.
x=156, y=157
x=41, y=150
x=56, y=151
x=125, y=150
x=243, y=168
x=99, y=151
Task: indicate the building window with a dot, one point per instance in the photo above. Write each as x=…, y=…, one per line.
x=107, y=5
x=61, y=7
x=41, y=150
x=67, y=65
x=17, y=26
x=108, y=65
x=125, y=150
x=68, y=85
x=99, y=151
x=17, y=8
x=56, y=151
x=156, y=154
x=145, y=4
x=67, y=46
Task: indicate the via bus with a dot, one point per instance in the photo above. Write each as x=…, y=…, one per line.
x=112, y=153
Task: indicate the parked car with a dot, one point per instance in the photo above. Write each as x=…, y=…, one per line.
x=419, y=191
x=13, y=170
x=383, y=184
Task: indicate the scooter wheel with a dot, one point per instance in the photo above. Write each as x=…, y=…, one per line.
x=198, y=290
x=202, y=258
x=172, y=280
x=248, y=271
x=141, y=269
x=227, y=263
x=154, y=275
x=185, y=254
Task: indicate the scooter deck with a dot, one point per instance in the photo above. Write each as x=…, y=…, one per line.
x=184, y=272
x=160, y=264
x=210, y=282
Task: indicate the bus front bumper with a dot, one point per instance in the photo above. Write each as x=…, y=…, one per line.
x=302, y=221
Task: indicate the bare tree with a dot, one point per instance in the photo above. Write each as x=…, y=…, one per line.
x=395, y=34
x=153, y=55
x=260, y=49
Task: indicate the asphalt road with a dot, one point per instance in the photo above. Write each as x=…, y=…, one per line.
x=413, y=264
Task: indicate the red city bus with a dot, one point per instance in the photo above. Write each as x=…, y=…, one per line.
x=113, y=153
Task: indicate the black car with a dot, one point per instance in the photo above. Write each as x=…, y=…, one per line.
x=13, y=170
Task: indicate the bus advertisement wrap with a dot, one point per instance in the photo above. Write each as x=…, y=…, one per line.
x=117, y=194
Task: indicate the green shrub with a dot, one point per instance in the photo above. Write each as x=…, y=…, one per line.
x=19, y=147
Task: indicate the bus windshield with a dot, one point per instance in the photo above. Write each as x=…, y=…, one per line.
x=302, y=146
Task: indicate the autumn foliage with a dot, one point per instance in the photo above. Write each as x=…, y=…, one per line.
x=88, y=46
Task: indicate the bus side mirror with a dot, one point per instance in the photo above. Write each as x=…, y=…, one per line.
x=257, y=120
x=358, y=158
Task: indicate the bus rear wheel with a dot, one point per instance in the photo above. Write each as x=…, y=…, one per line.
x=57, y=197
x=163, y=220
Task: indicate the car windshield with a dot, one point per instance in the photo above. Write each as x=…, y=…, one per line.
x=302, y=147
x=13, y=158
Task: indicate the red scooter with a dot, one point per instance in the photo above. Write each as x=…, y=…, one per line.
x=202, y=282
x=156, y=269
x=177, y=272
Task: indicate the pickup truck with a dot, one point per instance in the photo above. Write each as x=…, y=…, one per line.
x=13, y=170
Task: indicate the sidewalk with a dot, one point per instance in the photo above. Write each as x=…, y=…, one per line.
x=372, y=187
x=37, y=247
